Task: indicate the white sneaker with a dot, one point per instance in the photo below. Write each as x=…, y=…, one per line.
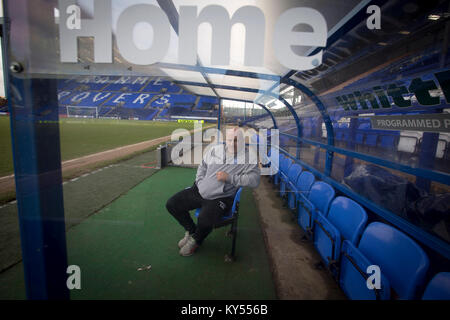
x=189, y=248
x=183, y=241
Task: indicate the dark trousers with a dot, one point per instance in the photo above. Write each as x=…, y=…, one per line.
x=211, y=211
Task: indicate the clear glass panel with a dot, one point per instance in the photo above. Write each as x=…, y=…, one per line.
x=396, y=191
x=372, y=76
x=409, y=85
x=311, y=120
x=239, y=112
x=99, y=110
x=313, y=156
x=288, y=144
x=283, y=116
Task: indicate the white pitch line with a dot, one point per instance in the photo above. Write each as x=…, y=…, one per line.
x=8, y=203
x=114, y=150
x=106, y=151
x=7, y=177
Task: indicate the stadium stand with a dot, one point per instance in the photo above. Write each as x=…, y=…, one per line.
x=142, y=98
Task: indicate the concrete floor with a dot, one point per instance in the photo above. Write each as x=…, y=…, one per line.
x=292, y=260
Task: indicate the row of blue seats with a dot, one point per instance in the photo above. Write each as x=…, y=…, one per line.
x=174, y=99
x=207, y=103
x=364, y=135
x=389, y=141
x=125, y=113
x=348, y=246
x=369, y=138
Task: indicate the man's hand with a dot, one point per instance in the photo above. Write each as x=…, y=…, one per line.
x=222, y=176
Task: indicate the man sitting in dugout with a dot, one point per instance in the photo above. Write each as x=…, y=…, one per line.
x=219, y=176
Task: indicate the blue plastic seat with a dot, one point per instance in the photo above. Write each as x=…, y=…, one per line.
x=303, y=185
x=318, y=200
x=339, y=133
x=388, y=142
x=362, y=130
x=276, y=179
x=371, y=140
x=284, y=170
x=353, y=276
x=346, y=220
x=438, y=288
x=403, y=264
x=346, y=135
x=276, y=176
x=291, y=179
x=364, y=126
x=230, y=218
x=359, y=138
x=282, y=173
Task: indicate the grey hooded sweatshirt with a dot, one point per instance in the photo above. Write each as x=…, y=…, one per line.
x=239, y=174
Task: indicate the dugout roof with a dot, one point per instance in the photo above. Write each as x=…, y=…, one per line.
x=47, y=61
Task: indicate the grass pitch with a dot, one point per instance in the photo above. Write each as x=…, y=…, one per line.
x=80, y=137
